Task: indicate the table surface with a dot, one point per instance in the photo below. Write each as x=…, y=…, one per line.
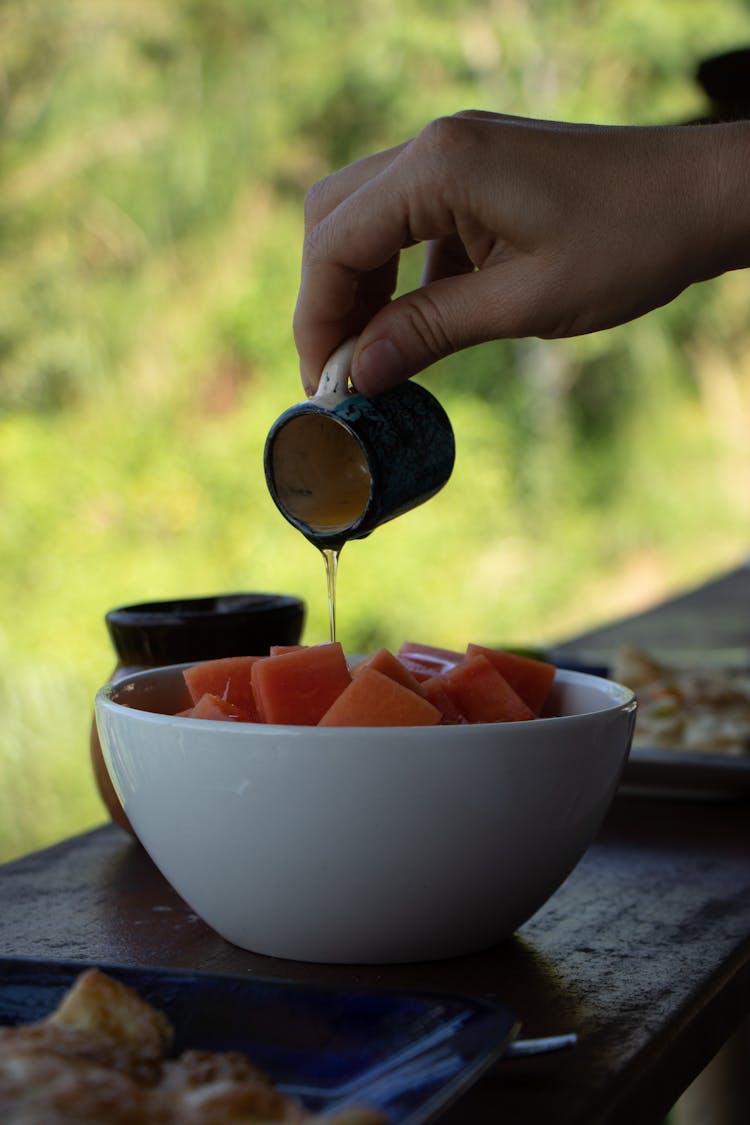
x=714, y=616
x=644, y=951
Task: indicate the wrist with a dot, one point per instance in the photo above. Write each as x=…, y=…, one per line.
x=722, y=170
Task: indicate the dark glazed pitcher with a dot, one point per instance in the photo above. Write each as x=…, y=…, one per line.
x=340, y=464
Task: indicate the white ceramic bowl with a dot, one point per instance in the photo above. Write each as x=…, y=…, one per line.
x=367, y=845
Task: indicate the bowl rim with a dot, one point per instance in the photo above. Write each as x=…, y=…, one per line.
x=197, y=609
x=623, y=699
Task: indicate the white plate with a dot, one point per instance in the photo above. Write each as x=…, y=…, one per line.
x=686, y=772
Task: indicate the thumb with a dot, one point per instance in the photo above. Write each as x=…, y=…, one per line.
x=425, y=325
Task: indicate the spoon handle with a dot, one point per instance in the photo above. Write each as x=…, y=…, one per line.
x=335, y=378
x=525, y=1048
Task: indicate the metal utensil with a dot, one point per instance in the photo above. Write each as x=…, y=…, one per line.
x=525, y=1048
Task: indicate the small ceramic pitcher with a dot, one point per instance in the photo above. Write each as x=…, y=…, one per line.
x=340, y=464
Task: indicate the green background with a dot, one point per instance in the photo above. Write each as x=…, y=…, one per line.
x=154, y=160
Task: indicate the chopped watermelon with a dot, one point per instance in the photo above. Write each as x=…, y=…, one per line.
x=228, y=678
x=424, y=661
x=374, y=699
x=307, y=685
x=214, y=707
x=529, y=678
x=434, y=690
x=483, y=694
x=384, y=661
x=298, y=687
x=446, y=655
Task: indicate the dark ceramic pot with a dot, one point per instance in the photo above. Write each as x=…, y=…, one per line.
x=154, y=634
x=340, y=464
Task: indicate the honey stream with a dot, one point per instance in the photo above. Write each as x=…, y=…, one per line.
x=331, y=559
x=322, y=481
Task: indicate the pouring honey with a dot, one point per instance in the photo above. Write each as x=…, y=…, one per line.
x=340, y=464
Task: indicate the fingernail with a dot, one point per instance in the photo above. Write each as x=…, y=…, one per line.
x=378, y=367
x=308, y=383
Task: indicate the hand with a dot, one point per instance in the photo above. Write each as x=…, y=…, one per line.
x=533, y=228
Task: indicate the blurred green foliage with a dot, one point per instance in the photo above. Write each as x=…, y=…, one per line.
x=154, y=161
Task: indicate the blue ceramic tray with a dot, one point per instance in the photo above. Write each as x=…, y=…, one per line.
x=410, y=1055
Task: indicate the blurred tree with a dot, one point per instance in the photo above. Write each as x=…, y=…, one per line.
x=154, y=159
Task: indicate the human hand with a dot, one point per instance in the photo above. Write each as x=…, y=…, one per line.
x=532, y=228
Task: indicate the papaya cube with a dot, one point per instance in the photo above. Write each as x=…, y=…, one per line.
x=214, y=707
x=373, y=699
x=483, y=694
x=446, y=655
x=424, y=661
x=384, y=661
x=298, y=687
x=434, y=690
x=228, y=678
x=529, y=678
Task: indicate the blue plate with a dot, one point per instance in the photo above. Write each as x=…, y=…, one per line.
x=409, y=1055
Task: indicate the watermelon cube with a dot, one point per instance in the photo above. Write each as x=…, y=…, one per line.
x=373, y=699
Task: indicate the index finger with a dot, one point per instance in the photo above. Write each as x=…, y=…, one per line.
x=349, y=269
x=324, y=196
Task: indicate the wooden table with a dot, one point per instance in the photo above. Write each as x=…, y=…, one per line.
x=715, y=616
x=644, y=952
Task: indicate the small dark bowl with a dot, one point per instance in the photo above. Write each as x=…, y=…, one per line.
x=184, y=629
